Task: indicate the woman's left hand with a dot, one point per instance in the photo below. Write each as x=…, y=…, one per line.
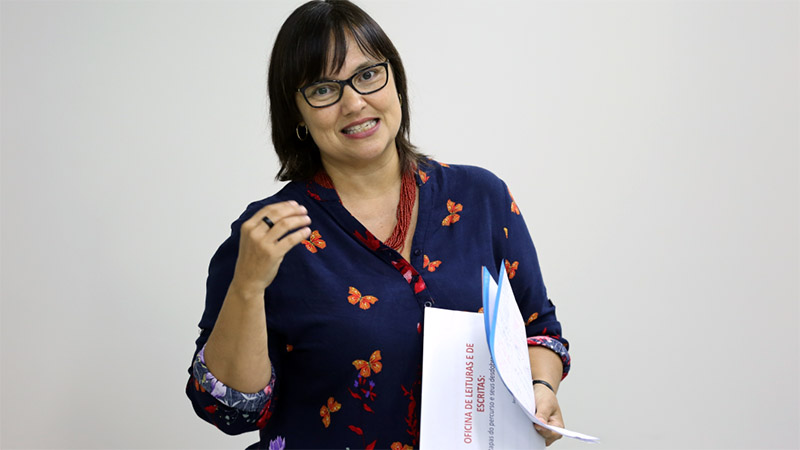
x=548, y=411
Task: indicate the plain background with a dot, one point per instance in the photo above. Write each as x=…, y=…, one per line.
x=652, y=147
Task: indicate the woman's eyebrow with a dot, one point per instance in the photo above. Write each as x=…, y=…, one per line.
x=359, y=68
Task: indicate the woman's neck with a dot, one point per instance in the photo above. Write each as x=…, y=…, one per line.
x=367, y=182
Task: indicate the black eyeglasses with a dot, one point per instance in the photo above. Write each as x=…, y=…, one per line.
x=366, y=81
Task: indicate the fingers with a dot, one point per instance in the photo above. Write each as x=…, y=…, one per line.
x=548, y=435
x=292, y=239
x=275, y=212
x=262, y=248
x=549, y=412
x=289, y=221
x=277, y=234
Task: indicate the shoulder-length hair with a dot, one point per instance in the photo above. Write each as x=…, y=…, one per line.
x=301, y=55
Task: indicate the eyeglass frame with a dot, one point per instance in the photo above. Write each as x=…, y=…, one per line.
x=343, y=83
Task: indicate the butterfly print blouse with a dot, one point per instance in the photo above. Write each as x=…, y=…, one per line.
x=345, y=312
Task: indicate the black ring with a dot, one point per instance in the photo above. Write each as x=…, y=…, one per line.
x=267, y=221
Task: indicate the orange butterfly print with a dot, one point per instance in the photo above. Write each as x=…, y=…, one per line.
x=314, y=241
x=428, y=264
x=374, y=365
x=481, y=310
x=533, y=317
x=444, y=165
x=453, y=208
x=326, y=410
x=399, y=446
x=364, y=302
x=289, y=347
x=511, y=269
x=514, y=207
x=506, y=231
x=423, y=176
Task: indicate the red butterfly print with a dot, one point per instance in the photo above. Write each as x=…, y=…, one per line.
x=453, y=208
x=419, y=285
x=289, y=347
x=374, y=365
x=533, y=317
x=511, y=269
x=370, y=240
x=264, y=414
x=410, y=274
x=314, y=241
x=313, y=195
x=514, y=207
x=428, y=264
x=423, y=176
x=405, y=269
x=364, y=302
x=326, y=410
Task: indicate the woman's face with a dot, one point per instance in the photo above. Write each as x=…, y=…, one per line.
x=359, y=130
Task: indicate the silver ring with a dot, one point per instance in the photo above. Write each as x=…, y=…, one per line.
x=267, y=221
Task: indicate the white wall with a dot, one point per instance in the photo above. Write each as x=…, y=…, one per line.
x=652, y=146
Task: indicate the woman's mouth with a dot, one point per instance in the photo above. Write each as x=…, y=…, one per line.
x=362, y=127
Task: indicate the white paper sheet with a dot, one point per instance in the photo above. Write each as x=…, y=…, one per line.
x=464, y=403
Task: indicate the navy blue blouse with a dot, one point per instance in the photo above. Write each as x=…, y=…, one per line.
x=345, y=312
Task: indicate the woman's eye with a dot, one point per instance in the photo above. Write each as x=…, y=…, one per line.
x=366, y=76
x=322, y=91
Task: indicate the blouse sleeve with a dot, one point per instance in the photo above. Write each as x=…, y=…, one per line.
x=231, y=411
x=556, y=346
x=228, y=396
x=522, y=267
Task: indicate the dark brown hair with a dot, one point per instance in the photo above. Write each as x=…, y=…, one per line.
x=302, y=54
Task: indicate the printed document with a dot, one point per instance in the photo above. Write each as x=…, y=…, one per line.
x=476, y=378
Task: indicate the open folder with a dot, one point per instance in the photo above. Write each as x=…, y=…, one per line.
x=476, y=377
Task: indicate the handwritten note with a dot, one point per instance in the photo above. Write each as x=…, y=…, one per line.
x=505, y=332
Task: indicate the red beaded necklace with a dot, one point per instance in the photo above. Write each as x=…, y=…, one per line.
x=405, y=206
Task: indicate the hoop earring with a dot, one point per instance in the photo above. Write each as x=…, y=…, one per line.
x=297, y=131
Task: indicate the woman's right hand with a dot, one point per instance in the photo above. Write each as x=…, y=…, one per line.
x=262, y=248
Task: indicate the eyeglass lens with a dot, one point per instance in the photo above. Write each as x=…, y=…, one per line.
x=366, y=81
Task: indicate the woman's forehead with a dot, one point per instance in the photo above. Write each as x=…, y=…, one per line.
x=347, y=57
x=354, y=62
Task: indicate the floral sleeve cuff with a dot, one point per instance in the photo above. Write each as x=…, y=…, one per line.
x=556, y=346
x=227, y=396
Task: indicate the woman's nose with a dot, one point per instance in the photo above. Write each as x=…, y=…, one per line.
x=351, y=100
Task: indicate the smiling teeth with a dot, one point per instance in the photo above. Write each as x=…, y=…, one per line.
x=362, y=127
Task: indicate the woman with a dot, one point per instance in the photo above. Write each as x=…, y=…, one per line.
x=312, y=331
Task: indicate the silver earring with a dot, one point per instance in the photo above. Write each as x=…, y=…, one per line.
x=305, y=131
